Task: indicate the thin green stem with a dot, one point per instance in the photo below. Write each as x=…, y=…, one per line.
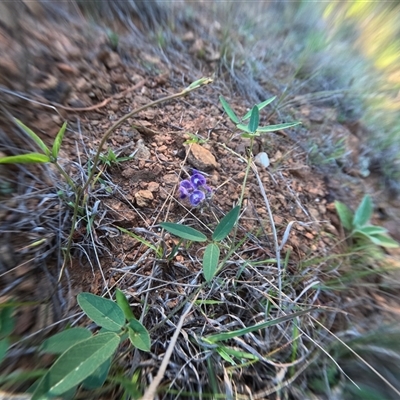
x=66, y=176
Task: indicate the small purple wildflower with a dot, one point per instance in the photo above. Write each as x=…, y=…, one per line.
x=197, y=180
x=185, y=189
x=196, y=198
x=195, y=188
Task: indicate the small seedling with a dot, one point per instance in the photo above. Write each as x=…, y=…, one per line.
x=358, y=226
x=252, y=128
x=111, y=158
x=45, y=156
x=212, y=250
x=85, y=358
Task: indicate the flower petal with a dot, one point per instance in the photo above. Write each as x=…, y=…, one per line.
x=186, y=184
x=196, y=198
x=198, y=180
x=183, y=192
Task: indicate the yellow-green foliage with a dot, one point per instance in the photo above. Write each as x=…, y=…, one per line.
x=378, y=39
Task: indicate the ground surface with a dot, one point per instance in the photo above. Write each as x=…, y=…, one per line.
x=75, y=74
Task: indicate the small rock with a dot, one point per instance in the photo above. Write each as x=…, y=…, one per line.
x=143, y=198
x=201, y=158
x=128, y=172
x=83, y=85
x=114, y=106
x=153, y=186
x=170, y=179
x=67, y=68
x=300, y=171
x=136, y=78
x=262, y=160
x=109, y=59
x=143, y=152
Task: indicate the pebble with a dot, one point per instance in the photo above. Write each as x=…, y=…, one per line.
x=201, y=158
x=143, y=198
x=262, y=160
x=170, y=179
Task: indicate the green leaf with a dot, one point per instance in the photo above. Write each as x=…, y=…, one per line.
x=384, y=241
x=139, y=336
x=244, y=128
x=227, y=352
x=229, y=112
x=98, y=377
x=29, y=158
x=226, y=224
x=62, y=341
x=278, y=127
x=7, y=321
x=240, y=332
x=249, y=135
x=363, y=213
x=102, y=311
x=371, y=230
x=221, y=351
x=254, y=120
x=34, y=137
x=260, y=107
x=345, y=215
x=210, y=261
x=76, y=364
x=184, y=232
x=58, y=140
x=4, y=345
x=123, y=303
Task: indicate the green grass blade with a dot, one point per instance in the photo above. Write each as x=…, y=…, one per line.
x=184, y=232
x=239, y=353
x=254, y=119
x=278, y=127
x=229, y=112
x=240, y=332
x=29, y=158
x=62, y=341
x=260, y=107
x=345, y=215
x=103, y=312
x=210, y=261
x=76, y=364
x=34, y=137
x=364, y=212
x=58, y=140
x=226, y=224
x=139, y=239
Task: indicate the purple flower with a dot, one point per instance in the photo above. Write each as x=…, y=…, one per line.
x=185, y=189
x=196, y=198
x=198, y=180
x=195, y=188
